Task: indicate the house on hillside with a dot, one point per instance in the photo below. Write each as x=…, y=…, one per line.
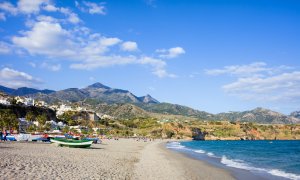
x=4, y=100
x=23, y=125
x=55, y=125
x=63, y=108
x=28, y=101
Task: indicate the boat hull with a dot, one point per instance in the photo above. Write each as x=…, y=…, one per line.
x=72, y=143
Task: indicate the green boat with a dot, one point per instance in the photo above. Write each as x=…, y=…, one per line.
x=72, y=143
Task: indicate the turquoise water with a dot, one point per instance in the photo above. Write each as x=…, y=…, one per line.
x=276, y=158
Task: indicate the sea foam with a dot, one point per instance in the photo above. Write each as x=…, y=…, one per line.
x=175, y=145
x=236, y=163
x=210, y=154
x=200, y=151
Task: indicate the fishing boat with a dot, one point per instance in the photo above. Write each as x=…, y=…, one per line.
x=95, y=140
x=72, y=143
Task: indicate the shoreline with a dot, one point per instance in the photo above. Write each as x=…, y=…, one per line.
x=236, y=173
x=113, y=159
x=174, y=165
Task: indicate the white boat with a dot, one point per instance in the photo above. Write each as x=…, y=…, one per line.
x=72, y=143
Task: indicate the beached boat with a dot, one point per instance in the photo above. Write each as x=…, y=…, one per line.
x=95, y=140
x=72, y=143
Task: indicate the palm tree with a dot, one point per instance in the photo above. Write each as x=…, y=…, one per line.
x=30, y=116
x=42, y=120
x=8, y=119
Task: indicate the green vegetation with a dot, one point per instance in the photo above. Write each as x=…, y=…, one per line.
x=130, y=120
x=8, y=120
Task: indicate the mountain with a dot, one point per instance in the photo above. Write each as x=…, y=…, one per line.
x=98, y=85
x=122, y=111
x=6, y=90
x=148, y=99
x=175, y=109
x=23, y=91
x=95, y=94
x=258, y=115
x=124, y=104
x=295, y=114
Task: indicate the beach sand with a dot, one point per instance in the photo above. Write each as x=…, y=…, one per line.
x=123, y=159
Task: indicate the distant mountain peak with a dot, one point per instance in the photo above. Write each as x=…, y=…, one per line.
x=148, y=99
x=260, y=109
x=23, y=91
x=98, y=85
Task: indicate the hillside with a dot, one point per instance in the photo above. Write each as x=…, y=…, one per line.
x=123, y=104
x=122, y=111
x=175, y=109
x=295, y=114
x=21, y=111
x=258, y=115
x=96, y=93
x=23, y=91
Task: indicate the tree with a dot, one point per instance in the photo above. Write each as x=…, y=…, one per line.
x=42, y=120
x=170, y=134
x=90, y=131
x=47, y=127
x=66, y=129
x=68, y=118
x=13, y=101
x=32, y=128
x=8, y=119
x=84, y=131
x=30, y=116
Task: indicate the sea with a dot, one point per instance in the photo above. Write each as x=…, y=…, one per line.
x=276, y=159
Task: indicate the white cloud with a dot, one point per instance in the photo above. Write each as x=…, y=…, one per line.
x=8, y=7
x=5, y=48
x=158, y=66
x=51, y=67
x=241, y=70
x=50, y=8
x=45, y=18
x=30, y=6
x=92, y=8
x=84, y=49
x=256, y=81
x=15, y=79
x=44, y=38
x=170, y=53
x=50, y=38
x=284, y=86
x=110, y=41
x=2, y=17
x=129, y=46
x=95, y=8
x=72, y=17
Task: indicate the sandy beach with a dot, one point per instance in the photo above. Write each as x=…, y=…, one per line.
x=123, y=159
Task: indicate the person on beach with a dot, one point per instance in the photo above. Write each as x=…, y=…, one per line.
x=1, y=138
x=5, y=134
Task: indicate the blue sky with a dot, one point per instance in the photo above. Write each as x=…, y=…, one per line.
x=211, y=55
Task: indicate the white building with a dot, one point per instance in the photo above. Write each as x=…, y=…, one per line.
x=28, y=101
x=55, y=125
x=4, y=101
x=63, y=108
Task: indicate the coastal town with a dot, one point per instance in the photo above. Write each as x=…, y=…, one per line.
x=22, y=115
